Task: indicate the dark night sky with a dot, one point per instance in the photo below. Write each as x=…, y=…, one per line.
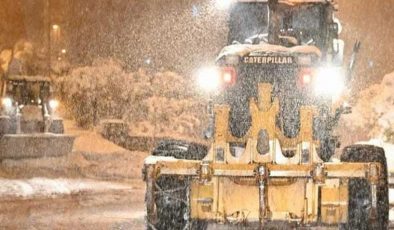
x=177, y=34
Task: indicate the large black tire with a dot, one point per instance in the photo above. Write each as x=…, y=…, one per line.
x=57, y=126
x=5, y=123
x=171, y=198
x=360, y=193
x=180, y=150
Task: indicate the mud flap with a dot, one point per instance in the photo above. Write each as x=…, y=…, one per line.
x=18, y=146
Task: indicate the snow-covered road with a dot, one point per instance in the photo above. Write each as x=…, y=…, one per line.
x=45, y=187
x=42, y=203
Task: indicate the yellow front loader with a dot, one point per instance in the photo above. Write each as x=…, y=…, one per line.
x=270, y=163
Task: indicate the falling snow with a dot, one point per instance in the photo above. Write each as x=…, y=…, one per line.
x=134, y=63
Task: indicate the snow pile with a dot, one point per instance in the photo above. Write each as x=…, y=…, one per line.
x=373, y=115
x=92, y=157
x=44, y=187
x=243, y=49
x=93, y=142
x=155, y=104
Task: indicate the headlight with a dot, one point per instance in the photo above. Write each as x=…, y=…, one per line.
x=223, y=4
x=209, y=78
x=329, y=81
x=53, y=104
x=6, y=102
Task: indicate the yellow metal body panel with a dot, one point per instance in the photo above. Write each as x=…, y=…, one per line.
x=287, y=199
x=227, y=199
x=239, y=201
x=203, y=199
x=334, y=203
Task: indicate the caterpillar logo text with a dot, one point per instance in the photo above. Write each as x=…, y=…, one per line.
x=268, y=60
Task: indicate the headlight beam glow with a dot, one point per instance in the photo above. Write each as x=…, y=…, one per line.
x=6, y=102
x=209, y=78
x=53, y=104
x=329, y=82
x=223, y=4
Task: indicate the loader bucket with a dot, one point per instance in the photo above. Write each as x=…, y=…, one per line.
x=19, y=146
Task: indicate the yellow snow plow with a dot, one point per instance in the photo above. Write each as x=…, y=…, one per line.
x=29, y=127
x=270, y=162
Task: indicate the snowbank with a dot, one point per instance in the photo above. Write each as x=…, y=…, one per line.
x=373, y=114
x=44, y=187
x=160, y=104
x=95, y=143
x=92, y=157
x=243, y=49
